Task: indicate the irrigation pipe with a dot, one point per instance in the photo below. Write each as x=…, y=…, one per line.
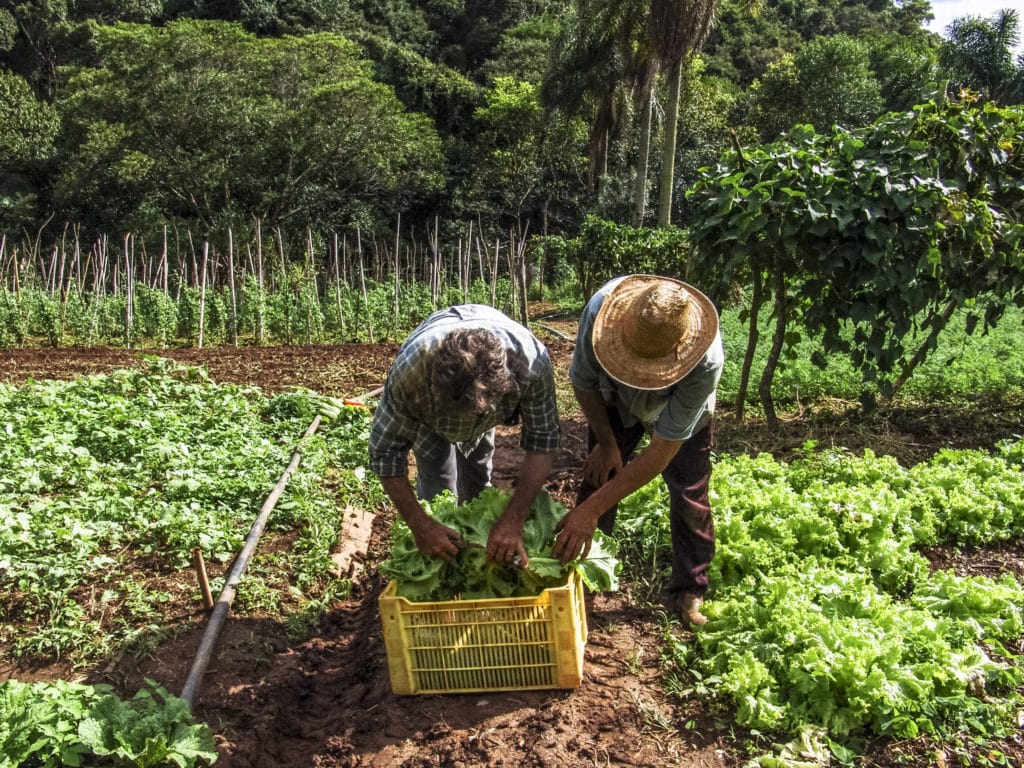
x=227, y=595
x=551, y=330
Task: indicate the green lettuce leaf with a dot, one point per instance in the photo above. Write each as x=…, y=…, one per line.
x=470, y=576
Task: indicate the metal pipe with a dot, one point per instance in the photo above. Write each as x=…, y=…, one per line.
x=227, y=594
x=553, y=331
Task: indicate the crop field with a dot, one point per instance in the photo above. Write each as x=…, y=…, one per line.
x=866, y=604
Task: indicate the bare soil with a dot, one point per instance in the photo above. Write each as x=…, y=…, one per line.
x=326, y=700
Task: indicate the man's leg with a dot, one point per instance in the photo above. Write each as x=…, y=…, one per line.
x=475, y=467
x=627, y=438
x=693, y=529
x=436, y=468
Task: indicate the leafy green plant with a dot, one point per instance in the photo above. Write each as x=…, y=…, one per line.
x=66, y=724
x=823, y=614
x=870, y=239
x=469, y=575
x=114, y=480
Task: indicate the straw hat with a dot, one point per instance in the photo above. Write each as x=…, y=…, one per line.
x=651, y=331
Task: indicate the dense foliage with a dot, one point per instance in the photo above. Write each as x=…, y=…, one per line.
x=123, y=116
x=872, y=238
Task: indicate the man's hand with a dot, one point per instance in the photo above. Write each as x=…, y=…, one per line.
x=505, y=543
x=436, y=540
x=602, y=462
x=575, y=534
x=432, y=538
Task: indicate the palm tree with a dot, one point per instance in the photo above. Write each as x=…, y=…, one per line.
x=678, y=29
x=979, y=55
x=601, y=58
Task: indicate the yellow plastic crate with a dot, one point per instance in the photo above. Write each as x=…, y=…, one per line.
x=498, y=644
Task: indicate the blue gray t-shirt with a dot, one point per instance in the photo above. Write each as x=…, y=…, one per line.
x=675, y=413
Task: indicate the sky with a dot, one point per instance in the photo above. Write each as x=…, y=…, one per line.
x=947, y=10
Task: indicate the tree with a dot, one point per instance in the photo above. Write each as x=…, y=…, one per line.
x=678, y=29
x=872, y=238
x=907, y=70
x=27, y=131
x=600, y=66
x=27, y=125
x=38, y=36
x=829, y=81
x=529, y=159
x=204, y=120
x=979, y=56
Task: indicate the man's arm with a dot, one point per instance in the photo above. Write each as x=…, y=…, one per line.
x=576, y=529
x=505, y=541
x=432, y=538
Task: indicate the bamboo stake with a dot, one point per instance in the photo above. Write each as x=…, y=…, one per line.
x=337, y=286
x=204, y=582
x=50, y=275
x=76, y=269
x=259, y=281
x=231, y=287
x=494, y=273
x=63, y=259
x=280, y=251
x=17, y=283
x=344, y=261
x=195, y=261
x=146, y=264
x=398, y=226
x=458, y=269
x=435, y=273
x=129, y=277
x=513, y=295
x=362, y=281
x=164, y=265
x=103, y=257
x=202, y=295
x=524, y=297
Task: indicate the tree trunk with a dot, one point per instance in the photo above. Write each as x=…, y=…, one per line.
x=202, y=296
x=231, y=287
x=640, y=193
x=753, y=336
x=668, y=147
x=768, y=376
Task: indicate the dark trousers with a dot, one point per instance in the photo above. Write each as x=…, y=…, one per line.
x=687, y=477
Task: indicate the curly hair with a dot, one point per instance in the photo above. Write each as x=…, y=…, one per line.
x=469, y=370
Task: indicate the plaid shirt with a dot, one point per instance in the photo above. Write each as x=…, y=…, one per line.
x=407, y=405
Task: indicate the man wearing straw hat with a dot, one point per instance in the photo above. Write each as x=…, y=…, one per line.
x=462, y=372
x=648, y=359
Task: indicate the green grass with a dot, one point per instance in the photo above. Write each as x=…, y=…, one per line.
x=963, y=369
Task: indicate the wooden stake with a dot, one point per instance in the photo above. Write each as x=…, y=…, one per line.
x=204, y=583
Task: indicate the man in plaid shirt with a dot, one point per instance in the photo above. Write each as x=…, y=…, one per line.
x=462, y=372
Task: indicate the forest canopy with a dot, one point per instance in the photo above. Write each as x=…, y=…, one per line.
x=135, y=116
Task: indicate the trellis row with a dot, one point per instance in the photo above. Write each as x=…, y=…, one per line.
x=207, y=264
